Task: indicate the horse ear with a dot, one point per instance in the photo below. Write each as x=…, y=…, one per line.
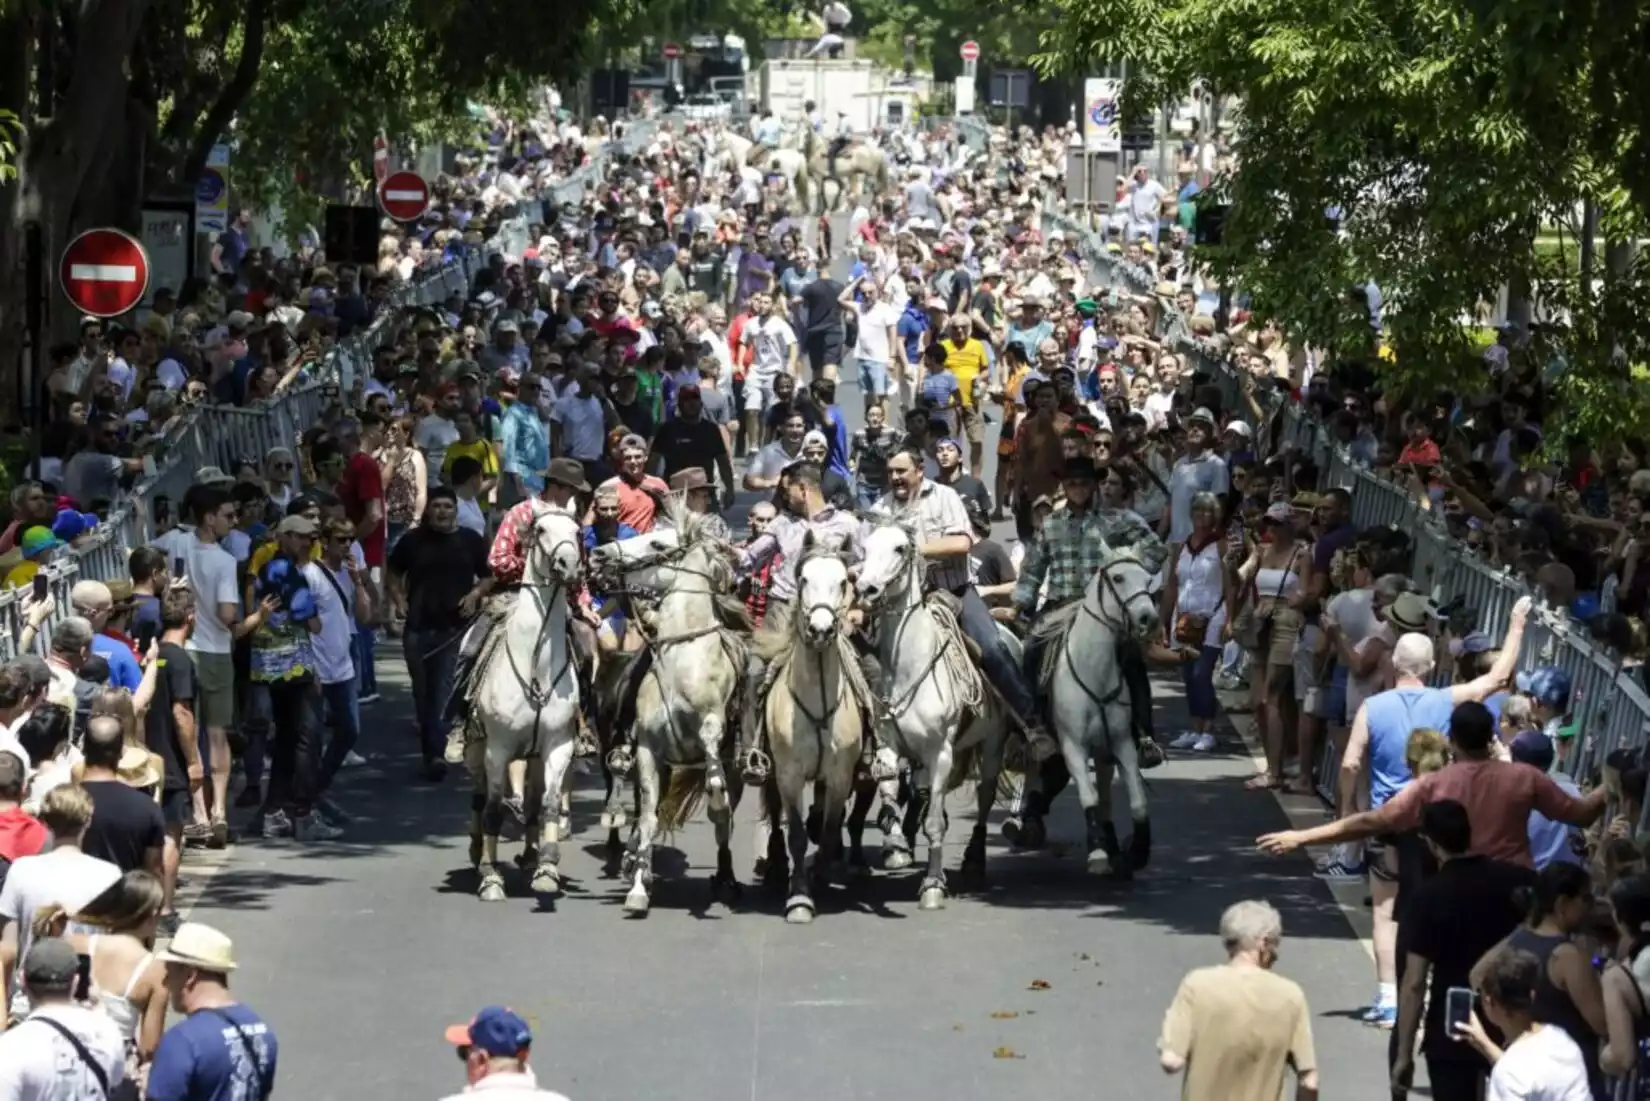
x=808, y=539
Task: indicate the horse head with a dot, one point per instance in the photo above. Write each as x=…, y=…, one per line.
x=640, y=562
x=822, y=591
x=556, y=545
x=885, y=571
x=1121, y=590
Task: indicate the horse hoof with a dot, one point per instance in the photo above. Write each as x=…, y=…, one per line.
x=931, y=898
x=1027, y=834
x=894, y=860
x=799, y=910
x=546, y=881
x=972, y=872
x=636, y=901
x=492, y=889
x=1100, y=863
x=564, y=826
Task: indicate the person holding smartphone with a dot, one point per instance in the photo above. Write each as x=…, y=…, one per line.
x=1457, y=916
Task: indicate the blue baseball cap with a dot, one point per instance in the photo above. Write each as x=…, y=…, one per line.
x=1533, y=748
x=498, y=1031
x=1548, y=685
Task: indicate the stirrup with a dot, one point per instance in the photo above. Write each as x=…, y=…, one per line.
x=755, y=766
x=585, y=743
x=621, y=759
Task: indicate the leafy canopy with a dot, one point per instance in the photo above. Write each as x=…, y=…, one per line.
x=1453, y=140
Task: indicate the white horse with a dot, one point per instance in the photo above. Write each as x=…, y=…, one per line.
x=812, y=713
x=930, y=689
x=1090, y=703
x=527, y=706
x=684, y=696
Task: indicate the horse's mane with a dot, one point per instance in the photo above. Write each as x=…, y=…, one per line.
x=693, y=533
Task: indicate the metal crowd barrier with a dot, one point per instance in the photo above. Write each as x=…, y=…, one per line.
x=1611, y=705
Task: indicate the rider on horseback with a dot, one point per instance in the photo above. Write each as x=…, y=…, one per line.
x=944, y=536
x=1071, y=547
x=802, y=509
x=842, y=139
x=563, y=482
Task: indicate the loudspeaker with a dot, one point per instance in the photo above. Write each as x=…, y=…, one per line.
x=351, y=234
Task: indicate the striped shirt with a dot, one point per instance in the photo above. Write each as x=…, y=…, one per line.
x=836, y=528
x=937, y=512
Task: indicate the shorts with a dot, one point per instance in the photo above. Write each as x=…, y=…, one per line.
x=1381, y=853
x=215, y=696
x=174, y=806
x=1333, y=710
x=824, y=349
x=757, y=388
x=873, y=378
x=973, y=423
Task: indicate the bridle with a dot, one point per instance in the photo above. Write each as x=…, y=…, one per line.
x=910, y=573
x=1123, y=628
x=543, y=593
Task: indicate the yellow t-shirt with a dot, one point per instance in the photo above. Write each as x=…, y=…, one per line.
x=22, y=574
x=967, y=362
x=481, y=451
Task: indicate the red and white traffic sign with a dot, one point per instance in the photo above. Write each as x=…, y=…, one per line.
x=104, y=272
x=404, y=196
x=672, y=51
x=970, y=50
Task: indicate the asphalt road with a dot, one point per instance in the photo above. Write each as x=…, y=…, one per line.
x=361, y=951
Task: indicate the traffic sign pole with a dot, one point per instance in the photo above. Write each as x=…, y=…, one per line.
x=104, y=272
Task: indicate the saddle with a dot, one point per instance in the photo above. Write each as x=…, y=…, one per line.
x=1050, y=632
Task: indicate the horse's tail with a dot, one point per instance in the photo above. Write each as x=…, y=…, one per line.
x=882, y=174
x=801, y=182
x=682, y=799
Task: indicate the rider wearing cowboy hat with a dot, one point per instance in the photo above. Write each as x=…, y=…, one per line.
x=1067, y=553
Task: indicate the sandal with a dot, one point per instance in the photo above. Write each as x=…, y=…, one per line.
x=1264, y=782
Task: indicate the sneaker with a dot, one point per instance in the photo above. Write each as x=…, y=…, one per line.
x=1040, y=744
x=454, y=754
x=353, y=759
x=1381, y=1016
x=370, y=697
x=197, y=833
x=220, y=834
x=1338, y=870
x=312, y=827
x=276, y=825
x=1186, y=740
x=167, y=925
x=331, y=812
x=1205, y=744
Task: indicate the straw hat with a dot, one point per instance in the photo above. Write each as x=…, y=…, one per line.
x=201, y=947
x=140, y=768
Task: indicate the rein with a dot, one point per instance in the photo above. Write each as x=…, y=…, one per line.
x=543, y=593
x=897, y=706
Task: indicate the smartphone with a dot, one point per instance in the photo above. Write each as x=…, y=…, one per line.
x=145, y=638
x=40, y=583
x=177, y=567
x=1457, y=1009
x=83, y=978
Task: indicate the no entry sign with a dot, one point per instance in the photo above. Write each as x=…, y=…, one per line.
x=404, y=196
x=104, y=272
x=970, y=50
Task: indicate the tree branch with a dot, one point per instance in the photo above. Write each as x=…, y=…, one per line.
x=234, y=93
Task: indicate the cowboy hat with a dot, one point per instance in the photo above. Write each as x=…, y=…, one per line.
x=201, y=947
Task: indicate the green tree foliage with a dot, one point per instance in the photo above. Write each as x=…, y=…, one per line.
x=1453, y=137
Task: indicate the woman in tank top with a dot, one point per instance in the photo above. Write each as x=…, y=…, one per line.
x=1267, y=624
x=114, y=929
x=1626, y=1009
x=1569, y=994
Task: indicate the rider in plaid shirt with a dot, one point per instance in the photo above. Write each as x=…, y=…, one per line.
x=1067, y=553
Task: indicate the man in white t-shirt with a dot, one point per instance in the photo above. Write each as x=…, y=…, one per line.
x=773, y=347
x=65, y=877
x=1145, y=205
x=436, y=432
x=343, y=593
x=211, y=572
x=45, y=1058
x=578, y=423
x=878, y=337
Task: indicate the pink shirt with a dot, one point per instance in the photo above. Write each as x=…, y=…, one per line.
x=1498, y=795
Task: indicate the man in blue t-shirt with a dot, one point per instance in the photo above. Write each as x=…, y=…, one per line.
x=93, y=601
x=221, y=1051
